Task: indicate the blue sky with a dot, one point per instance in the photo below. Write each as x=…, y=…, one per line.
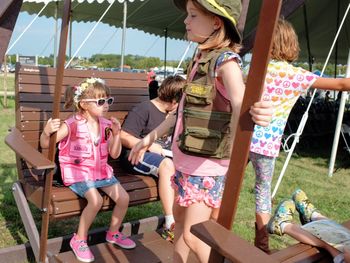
x=38, y=40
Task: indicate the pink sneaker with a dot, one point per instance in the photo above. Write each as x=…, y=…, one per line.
x=120, y=239
x=81, y=249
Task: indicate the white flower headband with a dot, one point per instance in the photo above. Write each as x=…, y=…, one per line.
x=78, y=90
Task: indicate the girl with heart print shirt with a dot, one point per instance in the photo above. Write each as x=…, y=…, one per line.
x=284, y=83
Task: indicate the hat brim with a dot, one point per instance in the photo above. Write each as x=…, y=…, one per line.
x=235, y=35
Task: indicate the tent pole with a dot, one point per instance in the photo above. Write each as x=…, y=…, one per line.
x=70, y=35
x=183, y=57
x=125, y=12
x=165, y=50
x=55, y=37
x=344, y=96
x=336, y=45
x=311, y=59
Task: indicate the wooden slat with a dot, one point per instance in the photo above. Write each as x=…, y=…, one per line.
x=49, y=89
x=42, y=98
x=71, y=81
x=150, y=248
x=45, y=71
x=44, y=116
x=38, y=106
x=228, y=244
x=15, y=141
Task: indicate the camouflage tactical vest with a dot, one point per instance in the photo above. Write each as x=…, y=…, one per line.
x=206, y=113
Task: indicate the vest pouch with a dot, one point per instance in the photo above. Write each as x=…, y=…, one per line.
x=206, y=133
x=199, y=94
x=201, y=140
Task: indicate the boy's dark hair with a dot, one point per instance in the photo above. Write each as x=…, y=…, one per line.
x=171, y=88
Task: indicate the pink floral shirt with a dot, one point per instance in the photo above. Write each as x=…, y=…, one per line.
x=284, y=83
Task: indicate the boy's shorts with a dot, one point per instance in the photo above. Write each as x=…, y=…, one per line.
x=81, y=188
x=148, y=166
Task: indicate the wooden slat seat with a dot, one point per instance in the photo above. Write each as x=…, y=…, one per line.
x=34, y=90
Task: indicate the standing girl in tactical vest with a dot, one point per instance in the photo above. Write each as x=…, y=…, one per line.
x=204, y=126
x=86, y=139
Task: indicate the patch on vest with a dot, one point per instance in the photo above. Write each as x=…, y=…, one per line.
x=199, y=94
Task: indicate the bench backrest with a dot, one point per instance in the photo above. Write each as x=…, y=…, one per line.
x=34, y=89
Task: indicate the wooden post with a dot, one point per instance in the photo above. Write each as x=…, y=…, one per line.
x=55, y=114
x=269, y=14
x=268, y=18
x=5, y=82
x=9, y=10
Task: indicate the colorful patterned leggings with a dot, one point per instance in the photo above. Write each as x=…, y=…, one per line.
x=264, y=168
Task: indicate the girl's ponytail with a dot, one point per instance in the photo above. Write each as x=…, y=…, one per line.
x=69, y=97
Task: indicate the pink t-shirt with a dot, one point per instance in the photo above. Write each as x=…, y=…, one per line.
x=194, y=165
x=284, y=83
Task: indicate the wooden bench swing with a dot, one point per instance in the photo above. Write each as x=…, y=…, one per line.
x=37, y=88
x=33, y=101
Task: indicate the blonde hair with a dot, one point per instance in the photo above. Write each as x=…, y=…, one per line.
x=285, y=44
x=90, y=88
x=221, y=38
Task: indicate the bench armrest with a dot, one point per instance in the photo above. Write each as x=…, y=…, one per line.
x=228, y=244
x=23, y=149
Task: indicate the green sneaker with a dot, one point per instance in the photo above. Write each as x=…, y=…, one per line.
x=303, y=206
x=168, y=234
x=283, y=214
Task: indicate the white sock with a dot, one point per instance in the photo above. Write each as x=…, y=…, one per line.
x=169, y=220
x=283, y=225
x=315, y=216
x=339, y=258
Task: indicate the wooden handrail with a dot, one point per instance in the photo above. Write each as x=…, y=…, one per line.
x=23, y=149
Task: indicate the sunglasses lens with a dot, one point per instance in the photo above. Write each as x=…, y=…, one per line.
x=110, y=101
x=101, y=102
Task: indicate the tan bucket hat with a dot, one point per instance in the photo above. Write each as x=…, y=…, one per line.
x=230, y=10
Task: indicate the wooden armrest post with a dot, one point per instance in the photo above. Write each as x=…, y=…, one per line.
x=269, y=14
x=55, y=114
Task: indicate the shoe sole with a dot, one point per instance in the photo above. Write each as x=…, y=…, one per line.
x=125, y=247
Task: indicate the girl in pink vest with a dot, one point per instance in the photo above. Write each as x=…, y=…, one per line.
x=85, y=140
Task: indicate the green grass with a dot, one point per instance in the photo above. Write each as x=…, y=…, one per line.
x=307, y=170
x=9, y=81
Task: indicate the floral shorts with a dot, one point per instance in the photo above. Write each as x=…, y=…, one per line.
x=195, y=189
